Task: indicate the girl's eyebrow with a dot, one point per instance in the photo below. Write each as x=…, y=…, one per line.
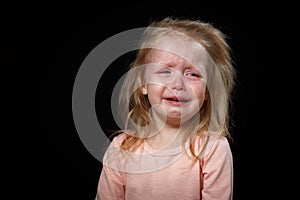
x=169, y=63
x=172, y=64
x=191, y=67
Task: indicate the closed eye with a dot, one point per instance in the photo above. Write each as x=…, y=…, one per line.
x=164, y=71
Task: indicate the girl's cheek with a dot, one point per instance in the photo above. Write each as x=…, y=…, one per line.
x=158, y=80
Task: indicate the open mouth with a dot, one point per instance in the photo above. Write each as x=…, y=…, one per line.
x=175, y=99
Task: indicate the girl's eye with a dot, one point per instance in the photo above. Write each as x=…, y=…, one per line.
x=192, y=74
x=165, y=71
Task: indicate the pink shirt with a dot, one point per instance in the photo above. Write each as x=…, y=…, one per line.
x=167, y=174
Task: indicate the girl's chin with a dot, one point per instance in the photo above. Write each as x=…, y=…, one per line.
x=179, y=117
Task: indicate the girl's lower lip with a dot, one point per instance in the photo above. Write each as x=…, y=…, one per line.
x=174, y=103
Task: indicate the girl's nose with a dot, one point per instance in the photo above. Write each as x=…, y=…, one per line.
x=177, y=83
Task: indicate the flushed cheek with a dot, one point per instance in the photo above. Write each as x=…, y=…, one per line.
x=161, y=81
x=201, y=98
x=154, y=93
x=198, y=95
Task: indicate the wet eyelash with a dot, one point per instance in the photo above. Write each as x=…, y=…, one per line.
x=165, y=71
x=195, y=74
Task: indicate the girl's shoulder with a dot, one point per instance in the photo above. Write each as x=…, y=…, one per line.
x=118, y=139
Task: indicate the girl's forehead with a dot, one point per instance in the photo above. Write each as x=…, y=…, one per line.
x=163, y=56
x=178, y=49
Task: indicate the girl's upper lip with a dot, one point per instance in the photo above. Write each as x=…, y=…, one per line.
x=176, y=98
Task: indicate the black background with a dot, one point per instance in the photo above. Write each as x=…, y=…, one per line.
x=44, y=45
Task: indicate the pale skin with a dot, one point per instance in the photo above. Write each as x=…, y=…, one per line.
x=176, y=87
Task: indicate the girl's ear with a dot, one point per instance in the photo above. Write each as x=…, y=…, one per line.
x=144, y=89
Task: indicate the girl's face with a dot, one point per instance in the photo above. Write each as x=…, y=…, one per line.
x=173, y=84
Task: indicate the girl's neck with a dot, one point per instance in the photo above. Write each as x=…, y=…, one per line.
x=167, y=133
x=168, y=136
